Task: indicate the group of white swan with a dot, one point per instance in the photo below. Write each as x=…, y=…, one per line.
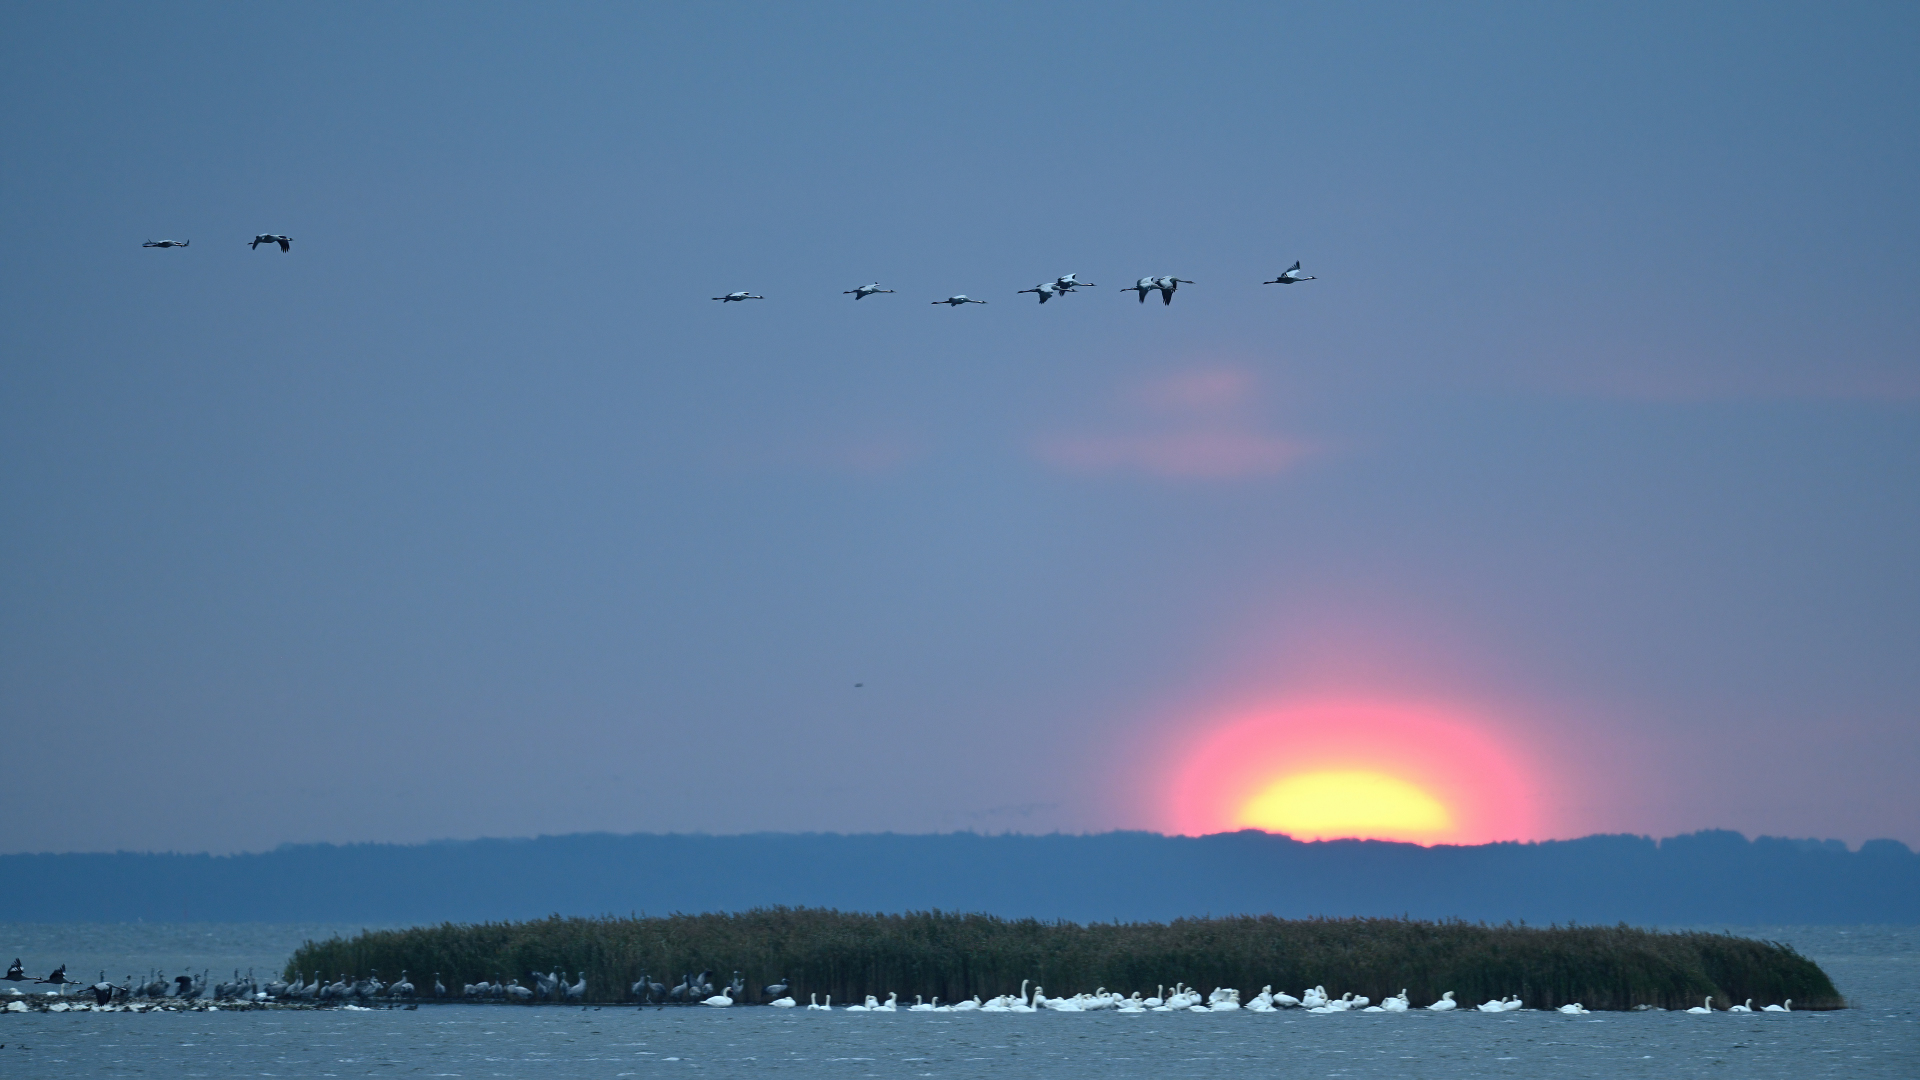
x=1183, y=998
x=1164, y=284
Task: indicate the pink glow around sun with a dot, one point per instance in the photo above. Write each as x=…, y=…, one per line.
x=1335, y=768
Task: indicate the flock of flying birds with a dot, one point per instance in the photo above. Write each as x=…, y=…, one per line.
x=1046, y=290
x=1059, y=286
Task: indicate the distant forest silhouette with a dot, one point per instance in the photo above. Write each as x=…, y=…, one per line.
x=1703, y=878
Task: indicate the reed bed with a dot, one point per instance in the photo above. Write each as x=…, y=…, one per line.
x=954, y=957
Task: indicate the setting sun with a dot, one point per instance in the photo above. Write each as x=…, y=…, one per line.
x=1340, y=768
x=1329, y=805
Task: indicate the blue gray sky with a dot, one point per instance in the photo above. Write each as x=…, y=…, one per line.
x=473, y=515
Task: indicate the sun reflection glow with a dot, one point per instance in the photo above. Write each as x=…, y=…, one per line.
x=1327, y=805
x=1334, y=768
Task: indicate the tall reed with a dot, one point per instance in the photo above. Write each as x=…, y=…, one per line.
x=954, y=957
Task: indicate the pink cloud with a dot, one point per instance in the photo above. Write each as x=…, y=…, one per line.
x=1193, y=425
x=1188, y=454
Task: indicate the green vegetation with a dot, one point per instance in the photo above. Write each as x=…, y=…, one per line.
x=958, y=956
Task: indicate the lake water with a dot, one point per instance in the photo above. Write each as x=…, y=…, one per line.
x=1877, y=967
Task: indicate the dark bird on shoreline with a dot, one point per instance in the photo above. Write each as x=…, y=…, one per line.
x=779, y=989
x=285, y=242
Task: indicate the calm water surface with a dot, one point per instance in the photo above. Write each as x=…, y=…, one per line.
x=1874, y=966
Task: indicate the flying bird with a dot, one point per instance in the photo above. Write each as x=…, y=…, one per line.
x=166, y=243
x=1291, y=275
x=864, y=291
x=735, y=296
x=957, y=300
x=1070, y=282
x=1144, y=286
x=1166, y=285
x=285, y=242
x=1047, y=290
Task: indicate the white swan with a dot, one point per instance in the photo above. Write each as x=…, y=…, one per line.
x=1285, y=1000
x=1788, y=1007
x=721, y=1000
x=1493, y=1006
x=1445, y=1004
x=864, y=291
x=1227, y=1004
x=1748, y=1007
x=783, y=1003
x=1575, y=1009
x=1314, y=997
x=1704, y=1007
x=883, y=1006
x=1289, y=276
x=1397, y=1003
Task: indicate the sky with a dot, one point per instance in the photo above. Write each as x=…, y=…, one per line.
x=1579, y=492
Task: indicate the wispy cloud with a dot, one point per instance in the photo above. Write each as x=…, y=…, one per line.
x=1196, y=425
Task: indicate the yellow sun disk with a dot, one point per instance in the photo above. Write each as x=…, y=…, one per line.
x=1345, y=804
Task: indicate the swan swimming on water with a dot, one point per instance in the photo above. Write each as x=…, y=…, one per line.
x=1788, y=1007
x=1704, y=1007
x=1748, y=1007
x=1445, y=1004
